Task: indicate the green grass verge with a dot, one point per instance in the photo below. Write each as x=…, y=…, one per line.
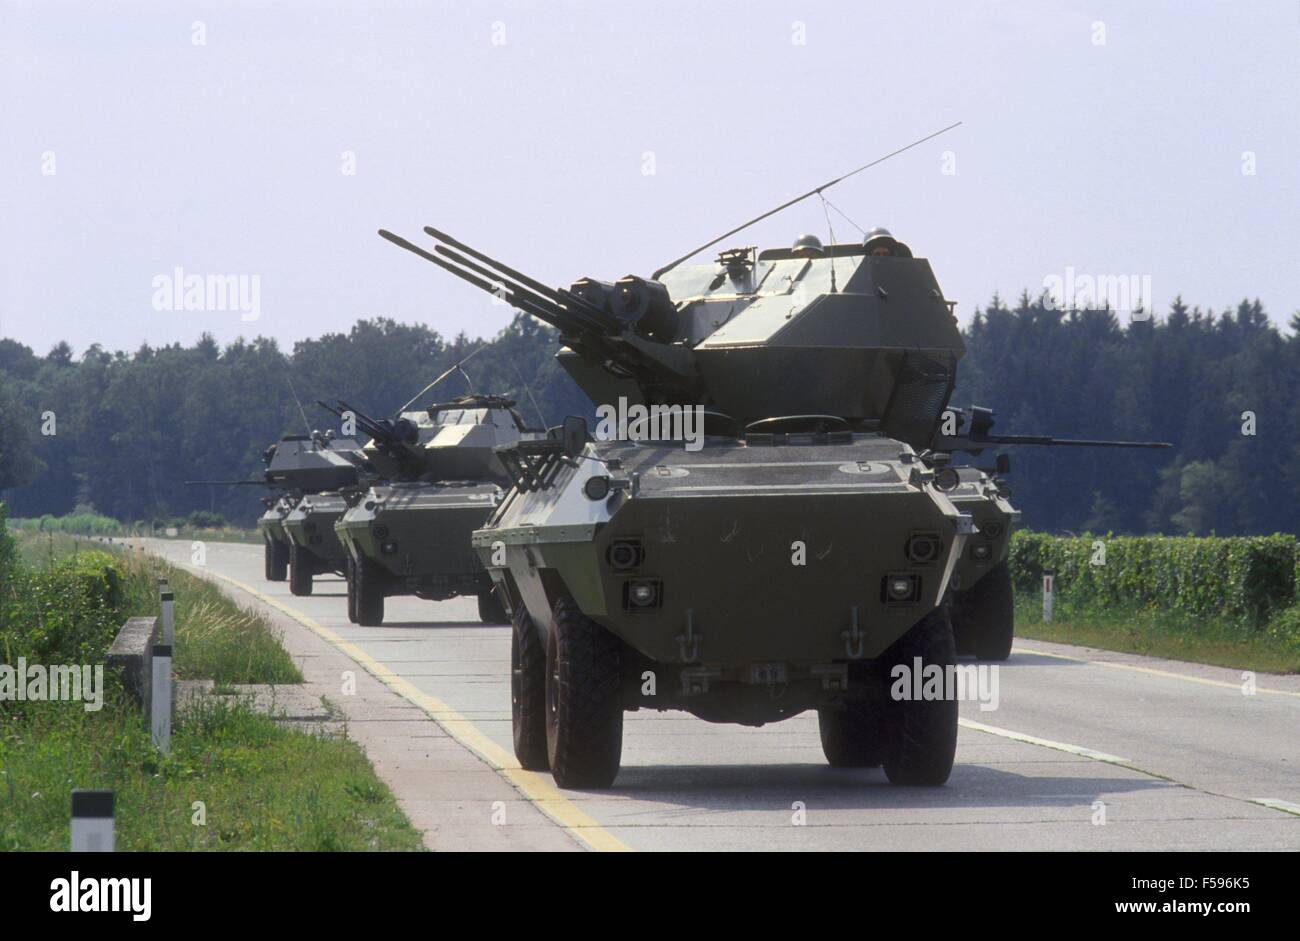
x=259, y=786
x=1272, y=649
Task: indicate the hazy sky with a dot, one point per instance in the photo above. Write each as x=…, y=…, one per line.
x=605, y=138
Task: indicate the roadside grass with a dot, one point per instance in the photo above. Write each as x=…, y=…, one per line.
x=259, y=785
x=1274, y=648
x=234, y=780
x=215, y=638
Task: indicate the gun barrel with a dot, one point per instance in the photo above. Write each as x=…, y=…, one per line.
x=527, y=306
x=227, y=483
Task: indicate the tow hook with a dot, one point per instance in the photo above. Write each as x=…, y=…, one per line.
x=854, y=639
x=689, y=643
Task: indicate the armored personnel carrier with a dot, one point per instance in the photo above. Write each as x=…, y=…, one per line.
x=409, y=533
x=296, y=465
x=762, y=523
x=771, y=532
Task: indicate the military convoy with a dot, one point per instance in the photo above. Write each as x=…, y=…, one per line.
x=768, y=518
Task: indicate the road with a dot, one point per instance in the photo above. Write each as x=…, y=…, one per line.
x=1087, y=749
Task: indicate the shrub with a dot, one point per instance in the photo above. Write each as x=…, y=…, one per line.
x=1245, y=579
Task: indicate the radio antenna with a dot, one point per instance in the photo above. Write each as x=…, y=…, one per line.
x=453, y=368
x=798, y=199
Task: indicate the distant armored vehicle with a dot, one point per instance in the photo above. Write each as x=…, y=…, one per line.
x=409, y=533
x=295, y=465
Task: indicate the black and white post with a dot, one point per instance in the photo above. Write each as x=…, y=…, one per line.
x=1049, y=584
x=161, y=697
x=92, y=821
x=167, y=602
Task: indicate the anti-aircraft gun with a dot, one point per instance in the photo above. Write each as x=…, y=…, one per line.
x=295, y=466
x=982, y=601
x=438, y=479
x=799, y=557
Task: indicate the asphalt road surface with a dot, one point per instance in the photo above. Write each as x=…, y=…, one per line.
x=1086, y=750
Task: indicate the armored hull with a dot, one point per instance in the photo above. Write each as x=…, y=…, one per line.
x=983, y=604
x=419, y=533
x=314, y=548
x=271, y=523
x=749, y=578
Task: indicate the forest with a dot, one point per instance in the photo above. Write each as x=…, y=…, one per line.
x=121, y=432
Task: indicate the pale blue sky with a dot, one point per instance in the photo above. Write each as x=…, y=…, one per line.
x=1116, y=159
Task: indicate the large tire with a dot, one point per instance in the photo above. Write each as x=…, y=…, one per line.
x=920, y=735
x=368, y=588
x=584, y=708
x=300, y=570
x=528, y=693
x=275, y=560
x=852, y=737
x=983, y=616
x=350, y=574
x=490, y=608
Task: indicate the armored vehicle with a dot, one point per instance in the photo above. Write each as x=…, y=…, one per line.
x=295, y=465
x=409, y=533
x=762, y=524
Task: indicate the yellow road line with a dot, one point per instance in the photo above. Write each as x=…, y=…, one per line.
x=539, y=789
x=1045, y=743
x=1273, y=802
x=1154, y=672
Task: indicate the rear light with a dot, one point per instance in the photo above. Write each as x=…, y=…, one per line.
x=642, y=595
x=903, y=588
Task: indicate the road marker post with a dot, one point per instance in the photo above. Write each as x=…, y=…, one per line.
x=92, y=821
x=1049, y=579
x=167, y=602
x=161, y=697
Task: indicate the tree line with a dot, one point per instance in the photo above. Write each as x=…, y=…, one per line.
x=122, y=432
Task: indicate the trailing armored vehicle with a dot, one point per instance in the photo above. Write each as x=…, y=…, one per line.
x=787, y=542
x=296, y=465
x=409, y=533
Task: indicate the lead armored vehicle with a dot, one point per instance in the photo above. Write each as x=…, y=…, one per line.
x=761, y=524
x=409, y=533
x=770, y=529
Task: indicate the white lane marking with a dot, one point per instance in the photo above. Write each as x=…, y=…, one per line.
x=1046, y=743
x=1154, y=672
x=1273, y=802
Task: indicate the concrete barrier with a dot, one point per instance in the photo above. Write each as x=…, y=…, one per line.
x=132, y=654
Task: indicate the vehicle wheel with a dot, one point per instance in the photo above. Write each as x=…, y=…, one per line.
x=528, y=693
x=920, y=735
x=369, y=591
x=584, y=709
x=852, y=737
x=276, y=558
x=300, y=570
x=983, y=616
x=490, y=608
x=350, y=575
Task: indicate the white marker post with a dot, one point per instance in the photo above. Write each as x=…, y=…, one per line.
x=167, y=601
x=1049, y=578
x=161, y=697
x=92, y=821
